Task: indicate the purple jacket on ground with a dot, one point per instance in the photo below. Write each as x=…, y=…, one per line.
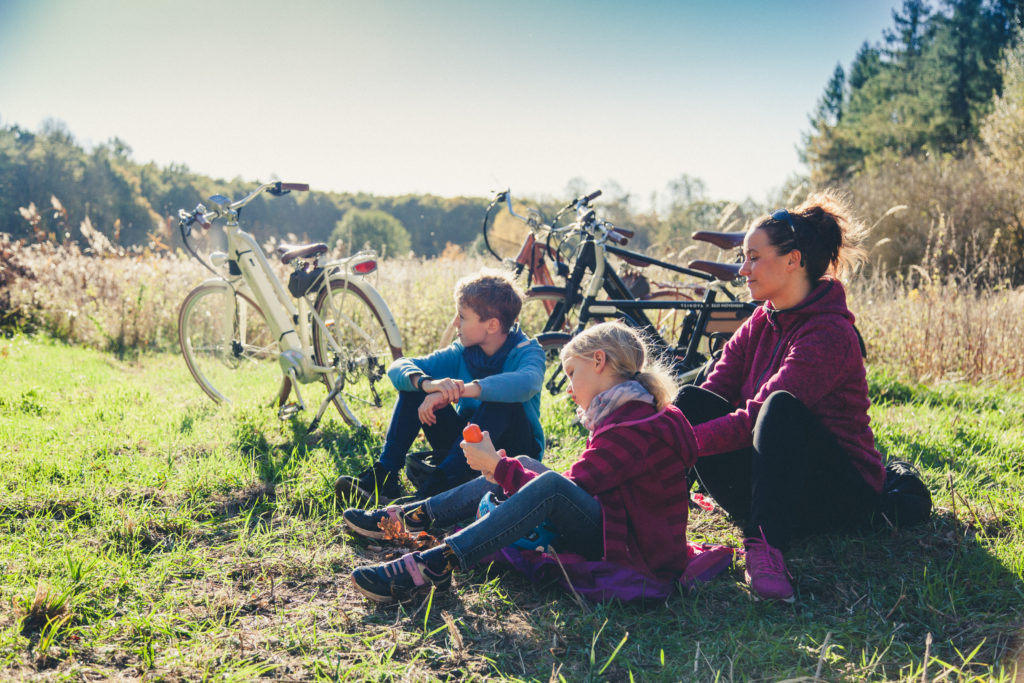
x=635, y=465
x=811, y=351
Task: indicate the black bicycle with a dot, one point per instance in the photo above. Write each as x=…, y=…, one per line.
x=685, y=322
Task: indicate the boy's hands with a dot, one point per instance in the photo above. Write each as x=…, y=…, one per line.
x=429, y=406
x=450, y=388
x=441, y=392
x=482, y=457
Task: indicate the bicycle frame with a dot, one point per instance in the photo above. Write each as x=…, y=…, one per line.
x=283, y=316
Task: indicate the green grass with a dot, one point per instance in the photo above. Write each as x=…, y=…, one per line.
x=146, y=531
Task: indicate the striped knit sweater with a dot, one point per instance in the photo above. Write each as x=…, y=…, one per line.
x=635, y=466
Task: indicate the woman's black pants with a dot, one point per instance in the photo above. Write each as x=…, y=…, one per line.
x=793, y=481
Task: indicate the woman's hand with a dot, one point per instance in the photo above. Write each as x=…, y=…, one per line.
x=482, y=457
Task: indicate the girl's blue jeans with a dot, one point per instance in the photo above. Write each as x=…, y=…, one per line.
x=572, y=514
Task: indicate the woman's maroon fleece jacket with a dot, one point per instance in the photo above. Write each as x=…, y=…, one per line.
x=813, y=352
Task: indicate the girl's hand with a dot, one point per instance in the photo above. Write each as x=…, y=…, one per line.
x=482, y=457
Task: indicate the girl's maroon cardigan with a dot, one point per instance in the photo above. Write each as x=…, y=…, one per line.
x=635, y=466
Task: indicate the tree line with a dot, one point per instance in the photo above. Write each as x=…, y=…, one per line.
x=136, y=204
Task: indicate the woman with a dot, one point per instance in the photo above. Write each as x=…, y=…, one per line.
x=783, y=436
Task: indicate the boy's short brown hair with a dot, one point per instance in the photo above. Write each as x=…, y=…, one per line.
x=490, y=294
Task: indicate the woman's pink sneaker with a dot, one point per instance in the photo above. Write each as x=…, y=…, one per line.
x=766, y=571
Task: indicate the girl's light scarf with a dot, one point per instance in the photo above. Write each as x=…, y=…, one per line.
x=605, y=403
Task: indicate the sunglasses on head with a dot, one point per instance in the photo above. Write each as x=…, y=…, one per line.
x=783, y=216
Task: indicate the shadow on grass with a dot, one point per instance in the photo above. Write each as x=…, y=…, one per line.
x=865, y=608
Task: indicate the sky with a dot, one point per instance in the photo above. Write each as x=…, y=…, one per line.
x=446, y=97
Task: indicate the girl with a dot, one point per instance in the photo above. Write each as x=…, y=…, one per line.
x=781, y=423
x=624, y=500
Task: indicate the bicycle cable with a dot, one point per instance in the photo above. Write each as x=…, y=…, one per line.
x=182, y=224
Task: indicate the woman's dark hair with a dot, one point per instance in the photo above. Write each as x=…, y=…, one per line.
x=823, y=229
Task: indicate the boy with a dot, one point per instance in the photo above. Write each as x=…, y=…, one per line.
x=493, y=374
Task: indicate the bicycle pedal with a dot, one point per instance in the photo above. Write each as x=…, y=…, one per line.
x=287, y=410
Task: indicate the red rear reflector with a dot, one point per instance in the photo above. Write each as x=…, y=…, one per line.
x=365, y=267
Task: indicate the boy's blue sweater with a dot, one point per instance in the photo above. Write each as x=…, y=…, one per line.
x=519, y=381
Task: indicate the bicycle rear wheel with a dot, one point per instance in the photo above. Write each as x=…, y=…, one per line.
x=555, y=379
x=227, y=344
x=354, y=343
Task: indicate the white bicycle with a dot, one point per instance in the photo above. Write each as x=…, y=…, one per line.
x=329, y=331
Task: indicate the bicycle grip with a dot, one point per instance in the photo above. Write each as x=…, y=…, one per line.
x=619, y=237
x=300, y=187
x=592, y=196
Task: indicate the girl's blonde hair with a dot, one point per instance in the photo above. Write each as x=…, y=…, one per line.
x=628, y=356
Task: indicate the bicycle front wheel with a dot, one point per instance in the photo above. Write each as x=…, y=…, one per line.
x=227, y=344
x=353, y=342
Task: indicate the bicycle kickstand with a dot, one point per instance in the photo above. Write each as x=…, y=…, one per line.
x=339, y=384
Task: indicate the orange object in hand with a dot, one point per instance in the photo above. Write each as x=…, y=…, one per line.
x=472, y=434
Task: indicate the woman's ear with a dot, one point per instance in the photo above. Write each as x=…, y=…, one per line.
x=794, y=259
x=600, y=359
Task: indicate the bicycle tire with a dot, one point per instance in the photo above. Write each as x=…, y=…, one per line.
x=552, y=343
x=538, y=305
x=227, y=363
x=363, y=340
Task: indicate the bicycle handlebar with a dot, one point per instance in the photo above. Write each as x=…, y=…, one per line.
x=205, y=218
x=586, y=217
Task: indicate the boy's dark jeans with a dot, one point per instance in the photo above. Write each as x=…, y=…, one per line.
x=793, y=481
x=507, y=423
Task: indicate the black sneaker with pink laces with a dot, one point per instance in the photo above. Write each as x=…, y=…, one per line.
x=402, y=579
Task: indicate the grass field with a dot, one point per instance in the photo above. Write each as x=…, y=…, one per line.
x=147, y=532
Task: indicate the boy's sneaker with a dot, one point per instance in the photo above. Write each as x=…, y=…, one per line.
x=376, y=484
x=399, y=580
x=766, y=571
x=368, y=523
x=423, y=472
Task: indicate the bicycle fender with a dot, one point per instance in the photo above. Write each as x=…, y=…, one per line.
x=215, y=281
x=388, y=319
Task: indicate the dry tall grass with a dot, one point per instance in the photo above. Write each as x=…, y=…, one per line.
x=921, y=328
